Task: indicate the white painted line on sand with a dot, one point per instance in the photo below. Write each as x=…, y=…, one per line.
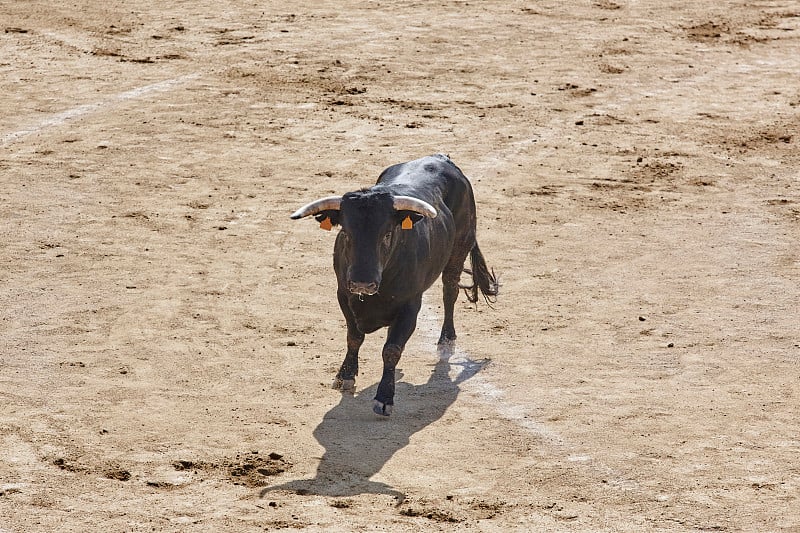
x=481, y=388
x=83, y=110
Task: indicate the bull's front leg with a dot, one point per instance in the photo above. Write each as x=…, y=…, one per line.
x=345, y=380
x=399, y=333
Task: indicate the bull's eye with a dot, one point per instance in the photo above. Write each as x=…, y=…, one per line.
x=387, y=239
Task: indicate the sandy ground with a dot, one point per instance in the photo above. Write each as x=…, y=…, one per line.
x=168, y=336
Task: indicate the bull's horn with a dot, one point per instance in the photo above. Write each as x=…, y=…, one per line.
x=407, y=203
x=317, y=206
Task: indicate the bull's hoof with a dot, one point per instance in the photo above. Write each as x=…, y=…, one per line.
x=344, y=385
x=447, y=338
x=382, y=409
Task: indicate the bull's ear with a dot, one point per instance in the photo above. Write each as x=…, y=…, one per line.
x=407, y=219
x=328, y=219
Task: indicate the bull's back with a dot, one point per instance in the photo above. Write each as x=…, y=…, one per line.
x=438, y=181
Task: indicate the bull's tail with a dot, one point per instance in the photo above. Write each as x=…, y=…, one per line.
x=483, y=279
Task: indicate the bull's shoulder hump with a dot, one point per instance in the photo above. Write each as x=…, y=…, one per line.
x=426, y=170
x=435, y=163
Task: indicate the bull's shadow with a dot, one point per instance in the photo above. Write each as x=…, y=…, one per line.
x=358, y=444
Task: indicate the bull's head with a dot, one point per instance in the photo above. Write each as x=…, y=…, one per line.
x=369, y=219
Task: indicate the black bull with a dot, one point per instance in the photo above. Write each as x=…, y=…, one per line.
x=416, y=223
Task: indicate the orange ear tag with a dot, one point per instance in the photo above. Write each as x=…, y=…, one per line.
x=407, y=224
x=326, y=224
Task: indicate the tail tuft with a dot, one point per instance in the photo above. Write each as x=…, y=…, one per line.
x=483, y=279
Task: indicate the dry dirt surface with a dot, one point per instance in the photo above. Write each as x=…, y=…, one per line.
x=168, y=336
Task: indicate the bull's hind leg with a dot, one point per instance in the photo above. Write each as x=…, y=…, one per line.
x=450, y=278
x=346, y=377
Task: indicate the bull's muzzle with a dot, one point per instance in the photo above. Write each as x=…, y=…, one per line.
x=363, y=288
